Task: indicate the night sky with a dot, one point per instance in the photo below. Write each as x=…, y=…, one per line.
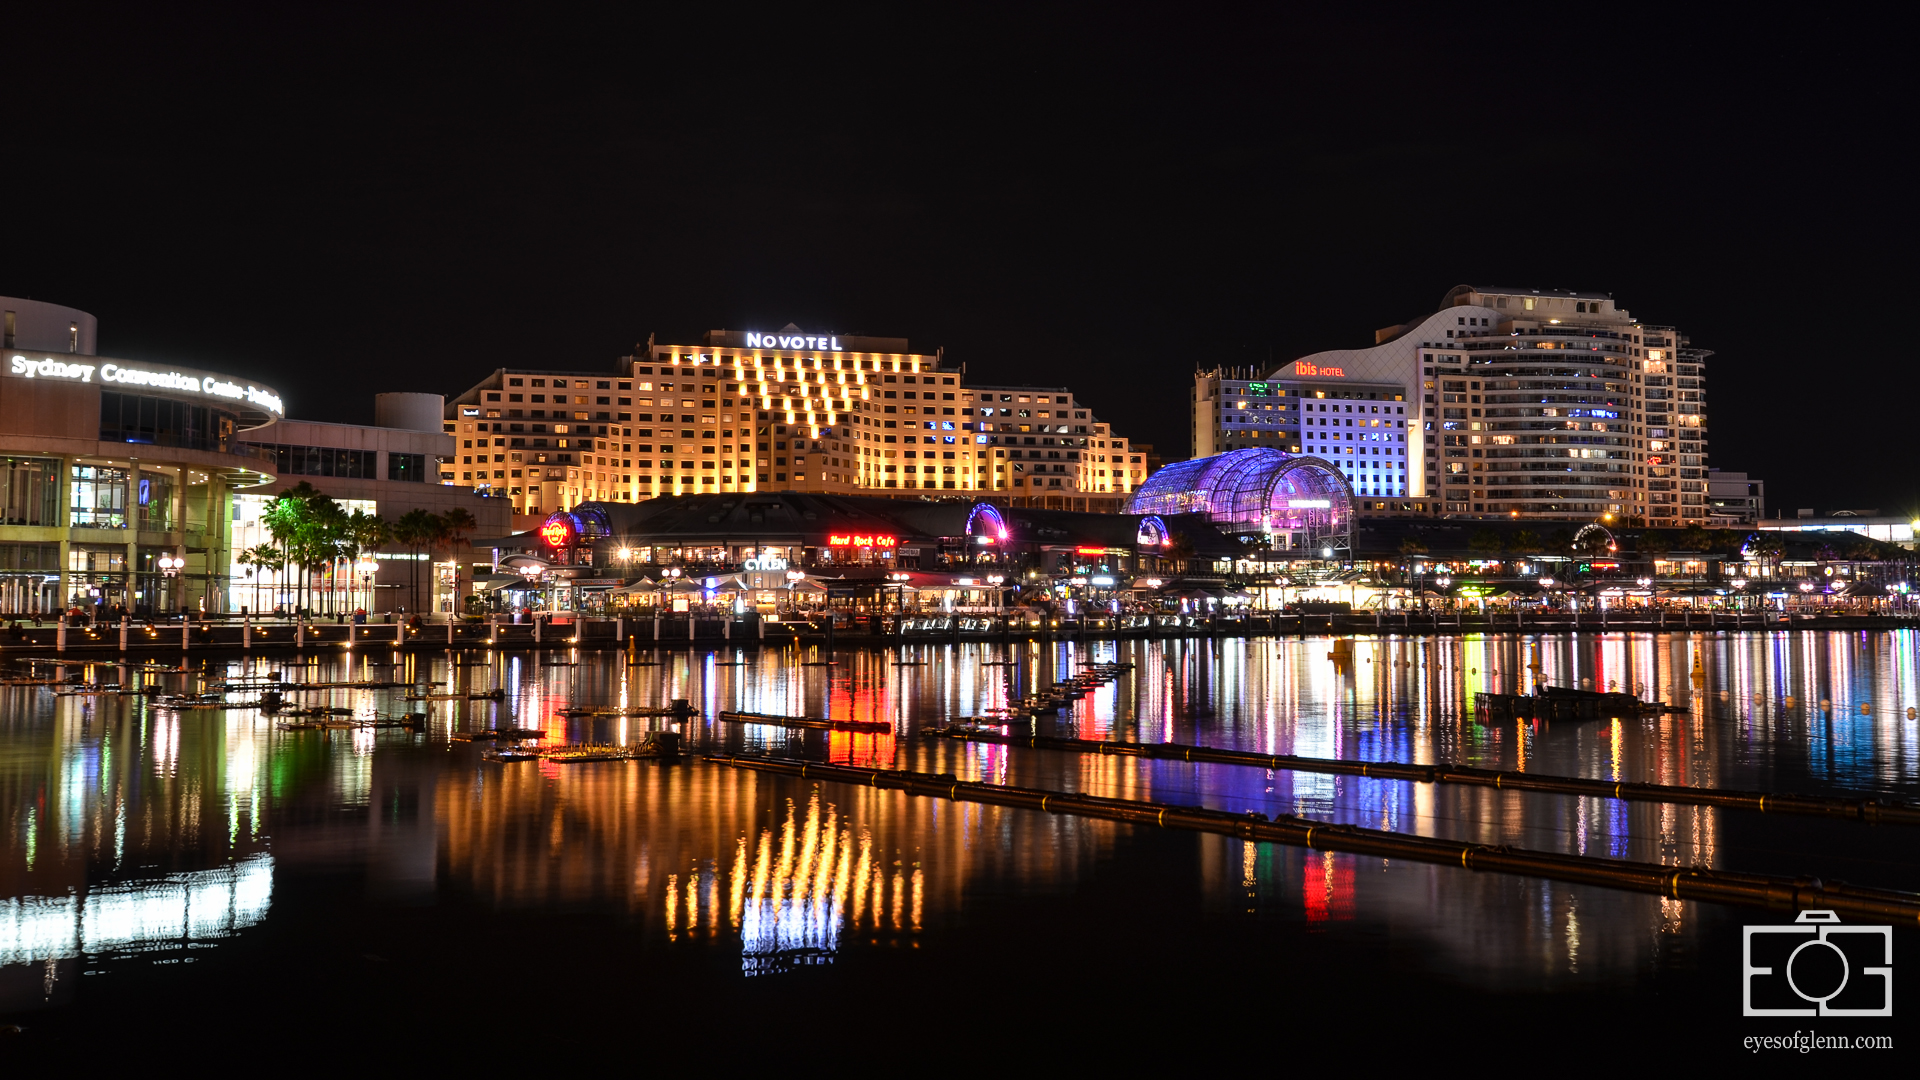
x=341, y=204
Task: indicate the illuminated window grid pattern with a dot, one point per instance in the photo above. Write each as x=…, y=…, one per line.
x=830, y=401
x=1377, y=446
x=829, y=404
x=1591, y=418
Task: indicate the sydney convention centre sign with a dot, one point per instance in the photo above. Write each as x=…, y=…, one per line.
x=91, y=369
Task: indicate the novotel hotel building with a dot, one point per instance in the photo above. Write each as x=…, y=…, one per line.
x=744, y=411
x=109, y=465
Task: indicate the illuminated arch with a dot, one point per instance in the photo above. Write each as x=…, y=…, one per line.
x=984, y=521
x=1295, y=501
x=1153, y=532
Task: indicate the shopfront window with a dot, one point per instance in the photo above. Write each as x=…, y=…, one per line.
x=99, y=497
x=29, y=579
x=406, y=466
x=163, y=422
x=97, y=577
x=323, y=461
x=155, y=498
x=30, y=491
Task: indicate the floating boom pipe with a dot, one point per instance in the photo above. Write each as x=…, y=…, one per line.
x=1871, y=811
x=1677, y=882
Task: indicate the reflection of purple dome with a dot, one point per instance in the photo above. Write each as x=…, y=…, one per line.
x=1257, y=490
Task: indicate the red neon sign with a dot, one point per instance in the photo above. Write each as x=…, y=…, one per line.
x=1301, y=367
x=1089, y=551
x=556, y=532
x=860, y=540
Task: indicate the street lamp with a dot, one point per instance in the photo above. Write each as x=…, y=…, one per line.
x=366, y=567
x=532, y=572
x=170, y=567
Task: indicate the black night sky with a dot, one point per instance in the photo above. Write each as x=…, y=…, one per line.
x=347, y=200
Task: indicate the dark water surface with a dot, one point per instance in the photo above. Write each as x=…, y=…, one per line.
x=206, y=876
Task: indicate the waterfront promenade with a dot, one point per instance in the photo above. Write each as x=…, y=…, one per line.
x=682, y=630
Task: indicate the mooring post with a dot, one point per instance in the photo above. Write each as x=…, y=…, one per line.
x=123, y=633
x=246, y=631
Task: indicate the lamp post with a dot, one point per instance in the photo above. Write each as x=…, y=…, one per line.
x=532, y=572
x=366, y=567
x=170, y=567
x=794, y=577
x=1739, y=587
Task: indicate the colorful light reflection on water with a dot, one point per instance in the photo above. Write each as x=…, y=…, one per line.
x=132, y=833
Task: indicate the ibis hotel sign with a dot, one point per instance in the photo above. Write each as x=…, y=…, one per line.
x=218, y=386
x=1301, y=368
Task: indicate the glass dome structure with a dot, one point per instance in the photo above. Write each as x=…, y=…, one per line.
x=1295, y=501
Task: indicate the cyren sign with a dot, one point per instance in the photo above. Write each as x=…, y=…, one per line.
x=860, y=540
x=1301, y=367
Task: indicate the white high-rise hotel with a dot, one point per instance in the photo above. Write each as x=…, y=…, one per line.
x=1504, y=403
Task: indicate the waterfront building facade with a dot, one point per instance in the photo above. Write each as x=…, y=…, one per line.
x=1530, y=404
x=136, y=487
x=390, y=469
x=787, y=411
x=111, y=469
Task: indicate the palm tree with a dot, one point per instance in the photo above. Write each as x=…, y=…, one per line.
x=366, y=532
x=1177, y=551
x=456, y=525
x=1764, y=546
x=416, y=528
x=323, y=540
x=261, y=559
x=286, y=517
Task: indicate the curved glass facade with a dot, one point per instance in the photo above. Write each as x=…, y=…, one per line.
x=1299, y=501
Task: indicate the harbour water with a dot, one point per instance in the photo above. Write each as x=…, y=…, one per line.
x=206, y=874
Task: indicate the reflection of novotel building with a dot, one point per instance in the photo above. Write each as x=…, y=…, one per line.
x=1504, y=402
x=110, y=464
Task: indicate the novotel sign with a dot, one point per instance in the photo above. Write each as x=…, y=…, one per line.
x=792, y=341
x=120, y=374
